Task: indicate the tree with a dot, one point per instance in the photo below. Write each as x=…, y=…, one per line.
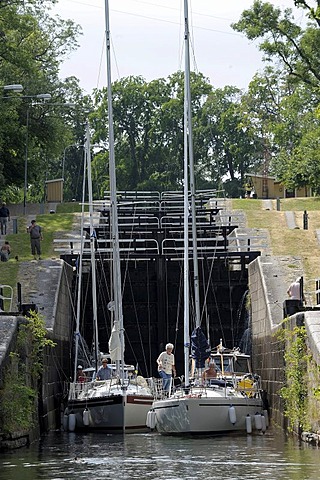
x=32, y=46
x=288, y=95
x=296, y=49
x=228, y=140
x=148, y=125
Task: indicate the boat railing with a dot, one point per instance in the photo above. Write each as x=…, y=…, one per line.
x=156, y=387
x=81, y=389
x=78, y=388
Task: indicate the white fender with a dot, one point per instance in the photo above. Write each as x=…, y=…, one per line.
x=257, y=421
x=263, y=423
x=72, y=422
x=248, y=424
x=148, y=419
x=151, y=419
x=65, y=422
x=86, y=417
x=232, y=415
x=266, y=416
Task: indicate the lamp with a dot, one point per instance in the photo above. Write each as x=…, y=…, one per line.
x=17, y=87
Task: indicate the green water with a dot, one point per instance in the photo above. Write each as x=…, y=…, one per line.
x=151, y=456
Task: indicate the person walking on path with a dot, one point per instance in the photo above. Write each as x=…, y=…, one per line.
x=35, y=237
x=4, y=218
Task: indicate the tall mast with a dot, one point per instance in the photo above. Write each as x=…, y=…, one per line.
x=78, y=312
x=92, y=249
x=116, y=270
x=191, y=167
x=186, y=339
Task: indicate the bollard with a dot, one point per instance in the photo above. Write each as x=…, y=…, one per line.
x=278, y=204
x=305, y=220
x=14, y=225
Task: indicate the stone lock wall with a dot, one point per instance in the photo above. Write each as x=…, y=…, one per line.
x=57, y=360
x=269, y=278
x=267, y=351
x=53, y=300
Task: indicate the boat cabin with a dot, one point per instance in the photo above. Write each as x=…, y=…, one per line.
x=230, y=363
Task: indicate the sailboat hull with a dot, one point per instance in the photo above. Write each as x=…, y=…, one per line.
x=195, y=414
x=115, y=414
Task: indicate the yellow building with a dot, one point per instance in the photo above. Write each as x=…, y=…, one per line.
x=268, y=187
x=54, y=190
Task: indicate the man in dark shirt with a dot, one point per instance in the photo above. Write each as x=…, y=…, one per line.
x=4, y=217
x=35, y=238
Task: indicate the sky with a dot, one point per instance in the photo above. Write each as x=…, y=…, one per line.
x=147, y=40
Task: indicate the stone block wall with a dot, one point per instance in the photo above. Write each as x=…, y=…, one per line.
x=267, y=350
x=269, y=278
x=57, y=360
x=8, y=333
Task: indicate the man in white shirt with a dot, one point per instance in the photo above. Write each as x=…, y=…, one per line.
x=166, y=365
x=294, y=291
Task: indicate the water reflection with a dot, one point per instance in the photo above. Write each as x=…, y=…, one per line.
x=99, y=456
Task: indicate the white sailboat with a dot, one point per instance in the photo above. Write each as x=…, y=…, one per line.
x=121, y=403
x=231, y=400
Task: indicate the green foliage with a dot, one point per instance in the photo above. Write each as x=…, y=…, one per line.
x=33, y=46
x=282, y=103
x=272, y=127
x=148, y=127
x=295, y=393
x=18, y=406
x=282, y=38
x=316, y=393
x=70, y=207
x=32, y=339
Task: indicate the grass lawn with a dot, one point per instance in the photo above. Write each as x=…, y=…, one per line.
x=71, y=207
x=51, y=224
x=297, y=242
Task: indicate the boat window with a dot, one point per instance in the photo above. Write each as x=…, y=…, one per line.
x=217, y=361
x=240, y=365
x=227, y=364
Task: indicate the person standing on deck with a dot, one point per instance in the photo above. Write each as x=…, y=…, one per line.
x=166, y=366
x=104, y=372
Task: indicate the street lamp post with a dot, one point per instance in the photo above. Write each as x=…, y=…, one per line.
x=44, y=97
